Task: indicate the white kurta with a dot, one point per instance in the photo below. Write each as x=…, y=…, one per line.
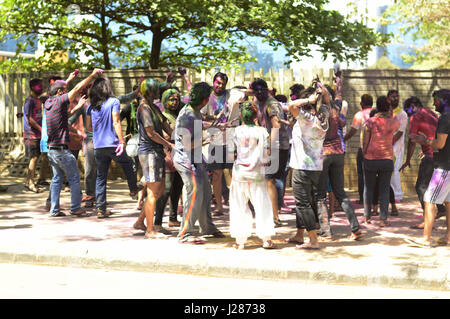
x=399, y=151
x=248, y=184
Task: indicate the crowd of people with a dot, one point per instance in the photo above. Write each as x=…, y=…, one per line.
x=217, y=145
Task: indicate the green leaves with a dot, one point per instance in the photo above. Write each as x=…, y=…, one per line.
x=194, y=33
x=427, y=20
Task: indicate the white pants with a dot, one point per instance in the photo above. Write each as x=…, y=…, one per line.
x=396, y=182
x=241, y=219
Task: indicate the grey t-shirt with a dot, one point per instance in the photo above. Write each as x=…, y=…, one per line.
x=148, y=116
x=188, y=124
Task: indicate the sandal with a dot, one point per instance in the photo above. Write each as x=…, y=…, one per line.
x=33, y=188
x=277, y=222
x=268, y=244
x=58, y=214
x=192, y=240
x=101, y=214
x=80, y=213
x=443, y=241
x=383, y=223
x=87, y=198
x=356, y=236
x=307, y=246
x=239, y=247
x=420, y=243
x=292, y=240
x=134, y=194
x=324, y=239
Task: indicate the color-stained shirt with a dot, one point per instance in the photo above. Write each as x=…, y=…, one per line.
x=77, y=124
x=268, y=110
x=57, y=122
x=308, y=135
x=333, y=143
x=424, y=121
x=33, y=109
x=189, y=125
x=382, y=130
x=104, y=133
x=359, y=121
x=441, y=158
x=251, y=144
x=228, y=101
x=149, y=116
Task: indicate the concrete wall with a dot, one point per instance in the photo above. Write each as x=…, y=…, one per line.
x=376, y=83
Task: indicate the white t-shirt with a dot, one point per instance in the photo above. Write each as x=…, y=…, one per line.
x=308, y=135
x=251, y=144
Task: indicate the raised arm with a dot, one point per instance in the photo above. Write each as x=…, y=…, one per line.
x=83, y=83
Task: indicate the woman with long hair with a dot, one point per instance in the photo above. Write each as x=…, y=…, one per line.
x=378, y=157
x=103, y=117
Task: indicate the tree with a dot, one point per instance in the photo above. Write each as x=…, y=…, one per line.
x=428, y=20
x=194, y=33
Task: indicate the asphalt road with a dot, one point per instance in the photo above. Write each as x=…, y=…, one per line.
x=19, y=281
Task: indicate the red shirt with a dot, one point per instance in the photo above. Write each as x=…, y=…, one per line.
x=424, y=121
x=382, y=131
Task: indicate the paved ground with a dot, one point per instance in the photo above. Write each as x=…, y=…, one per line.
x=382, y=258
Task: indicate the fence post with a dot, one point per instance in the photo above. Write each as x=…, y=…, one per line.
x=282, y=79
x=11, y=104
x=19, y=90
x=2, y=105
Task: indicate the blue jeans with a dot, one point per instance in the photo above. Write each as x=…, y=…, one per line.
x=103, y=157
x=63, y=162
x=333, y=171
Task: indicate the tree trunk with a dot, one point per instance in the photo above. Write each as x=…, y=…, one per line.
x=156, y=48
x=104, y=42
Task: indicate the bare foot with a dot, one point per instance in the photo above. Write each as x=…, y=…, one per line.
x=140, y=226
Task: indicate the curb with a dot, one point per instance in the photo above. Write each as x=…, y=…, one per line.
x=439, y=282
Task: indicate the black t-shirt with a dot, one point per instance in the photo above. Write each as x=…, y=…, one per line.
x=442, y=157
x=149, y=116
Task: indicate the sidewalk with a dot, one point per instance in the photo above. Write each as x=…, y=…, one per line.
x=382, y=257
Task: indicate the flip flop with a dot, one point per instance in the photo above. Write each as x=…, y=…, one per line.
x=356, y=236
x=58, y=214
x=443, y=242
x=192, y=241
x=294, y=241
x=269, y=245
x=307, y=247
x=417, y=243
x=80, y=213
x=416, y=227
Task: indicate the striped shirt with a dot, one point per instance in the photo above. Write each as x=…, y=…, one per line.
x=57, y=121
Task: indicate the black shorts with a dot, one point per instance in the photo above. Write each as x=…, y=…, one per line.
x=283, y=157
x=32, y=147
